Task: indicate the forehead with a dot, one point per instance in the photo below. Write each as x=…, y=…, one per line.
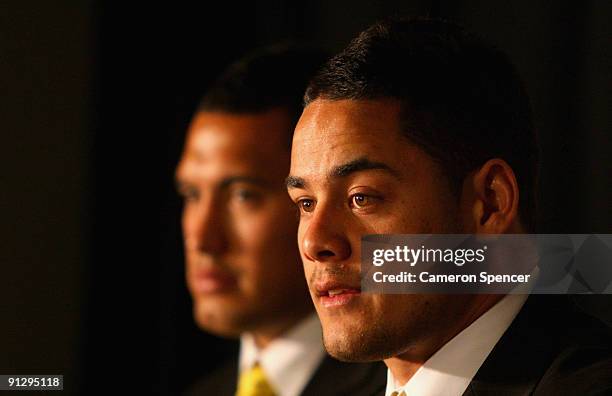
x=254, y=143
x=331, y=133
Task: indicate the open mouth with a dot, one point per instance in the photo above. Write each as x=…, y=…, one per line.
x=338, y=297
x=336, y=292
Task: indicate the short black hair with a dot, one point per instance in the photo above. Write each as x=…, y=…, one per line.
x=266, y=78
x=461, y=98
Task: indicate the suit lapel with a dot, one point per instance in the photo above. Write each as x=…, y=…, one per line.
x=356, y=379
x=221, y=382
x=520, y=359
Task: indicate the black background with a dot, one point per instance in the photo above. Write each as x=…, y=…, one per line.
x=95, y=98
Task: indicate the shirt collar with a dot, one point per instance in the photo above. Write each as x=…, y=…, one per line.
x=450, y=370
x=289, y=360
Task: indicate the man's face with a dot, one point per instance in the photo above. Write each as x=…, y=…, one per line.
x=353, y=173
x=242, y=262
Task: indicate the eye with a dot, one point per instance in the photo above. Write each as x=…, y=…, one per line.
x=305, y=205
x=246, y=197
x=189, y=194
x=359, y=201
x=244, y=194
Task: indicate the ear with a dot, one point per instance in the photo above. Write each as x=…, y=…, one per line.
x=495, y=199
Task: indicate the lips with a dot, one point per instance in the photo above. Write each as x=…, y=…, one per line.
x=335, y=294
x=208, y=281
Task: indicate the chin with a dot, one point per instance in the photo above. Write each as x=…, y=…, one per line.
x=215, y=320
x=359, y=345
x=347, y=350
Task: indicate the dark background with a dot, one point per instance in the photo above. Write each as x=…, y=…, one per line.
x=95, y=98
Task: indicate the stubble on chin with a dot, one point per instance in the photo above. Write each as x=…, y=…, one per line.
x=362, y=344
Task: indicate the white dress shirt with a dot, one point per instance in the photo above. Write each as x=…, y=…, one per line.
x=449, y=371
x=290, y=360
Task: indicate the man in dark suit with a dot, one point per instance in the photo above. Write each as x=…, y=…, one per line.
x=242, y=263
x=419, y=127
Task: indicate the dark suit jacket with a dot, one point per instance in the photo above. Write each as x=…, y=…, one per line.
x=332, y=378
x=551, y=348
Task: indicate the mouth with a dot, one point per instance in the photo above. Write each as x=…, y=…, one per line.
x=212, y=281
x=335, y=295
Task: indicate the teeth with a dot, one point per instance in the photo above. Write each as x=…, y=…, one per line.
x=335, y=292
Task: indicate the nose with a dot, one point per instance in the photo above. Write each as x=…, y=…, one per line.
x=325, y=239
x=203, y=227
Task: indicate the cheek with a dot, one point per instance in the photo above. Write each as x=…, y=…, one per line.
x=308, y=270
x=422, y=211
x=187, y=222
x=302, y=228
x=267, y=238
x=262, y=229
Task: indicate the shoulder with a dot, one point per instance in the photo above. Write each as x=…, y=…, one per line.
x=552, y=347
x=583, y=364
x=221, y=381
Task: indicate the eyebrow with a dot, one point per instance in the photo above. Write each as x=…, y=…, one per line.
x=295, y=182
x=361, y=164
x=357, y=165
x=228, y=181
x=243, y=179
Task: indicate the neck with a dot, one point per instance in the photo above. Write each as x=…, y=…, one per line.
x=405, y=365
x=402, y=369
x=264, y=335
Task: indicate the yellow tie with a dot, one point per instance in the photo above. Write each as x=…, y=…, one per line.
x=253, y=382
x=396, y=393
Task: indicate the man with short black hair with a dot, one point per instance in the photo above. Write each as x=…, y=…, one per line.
x=419, y=127
x=242, y=263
